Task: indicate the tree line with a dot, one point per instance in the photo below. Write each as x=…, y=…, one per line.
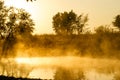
x=68, y=23
x=17, y=24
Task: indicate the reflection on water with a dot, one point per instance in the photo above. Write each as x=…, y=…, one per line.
x=66, y=67
x=66, y=75
x=43, y=73
x=94, y=75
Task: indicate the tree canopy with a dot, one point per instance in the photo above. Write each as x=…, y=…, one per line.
x=116, y=22
x=69, y=23
x=13, y=23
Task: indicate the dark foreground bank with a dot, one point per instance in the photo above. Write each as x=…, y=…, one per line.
x=13, y=78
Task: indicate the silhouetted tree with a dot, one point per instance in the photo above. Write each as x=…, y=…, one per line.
x=116, y=22
x=14, y=22
x=81, y=22
x=3, y=14
x=62, y=22
x=69, y=23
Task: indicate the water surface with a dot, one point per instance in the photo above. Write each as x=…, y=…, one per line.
x=46, y=67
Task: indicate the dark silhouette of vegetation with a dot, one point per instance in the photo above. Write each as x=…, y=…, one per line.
x=13, y=26
x=30, y=0
x=103, y=43
x=13, y=78
x=116, y=22
x=68, y=23
x=14, y=23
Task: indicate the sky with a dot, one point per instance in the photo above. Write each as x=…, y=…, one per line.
x=100, y=12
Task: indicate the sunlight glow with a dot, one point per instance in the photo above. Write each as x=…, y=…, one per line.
x=23, y=60
x=37, y=11
x=21, y=4
x=43, y=73
x=16, y=3
x=43, y=10
x=30, y=61
x=34, y=60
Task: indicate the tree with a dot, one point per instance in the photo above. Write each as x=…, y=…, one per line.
x=3, y=14
x=14, y=22
x=68, y=23
x=116, y=22
x=62, y=22
x=81, y=22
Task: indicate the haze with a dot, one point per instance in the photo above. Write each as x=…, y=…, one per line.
x=69, y=52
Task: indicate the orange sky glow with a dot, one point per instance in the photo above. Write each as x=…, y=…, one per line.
x=101, y=12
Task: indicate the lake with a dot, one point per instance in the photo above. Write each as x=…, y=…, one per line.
x=55, y=67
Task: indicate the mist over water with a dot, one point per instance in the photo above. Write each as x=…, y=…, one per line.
x=68, y=58
x=73, y=53
x=48, y=67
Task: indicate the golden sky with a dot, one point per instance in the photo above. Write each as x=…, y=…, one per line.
x=101, y=12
